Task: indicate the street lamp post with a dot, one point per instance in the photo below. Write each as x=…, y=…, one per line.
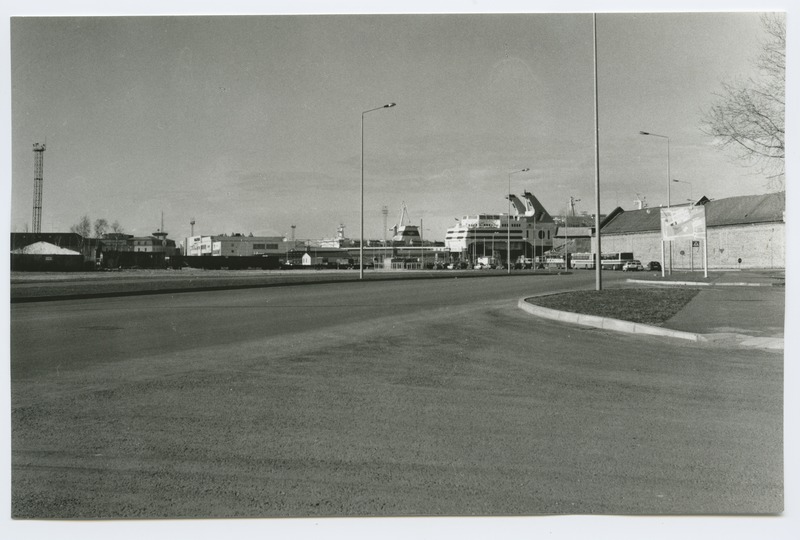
x=691, y=200
x=598, y=273
x=669, y=177
x=566, y=249
x=508, y=220
x=533, y=255
x=494, y=234
x=572, y=201
x=421, y=246
x=361, y=244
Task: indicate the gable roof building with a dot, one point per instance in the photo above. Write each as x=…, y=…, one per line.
x=743, y=232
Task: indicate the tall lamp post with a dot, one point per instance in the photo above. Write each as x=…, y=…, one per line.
x=669, y=175
x=669, y=182
x=361, y=244
x=508, y=220
x=572, y=201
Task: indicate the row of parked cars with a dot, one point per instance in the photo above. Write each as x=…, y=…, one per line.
x=633, y=265
x=636, y=265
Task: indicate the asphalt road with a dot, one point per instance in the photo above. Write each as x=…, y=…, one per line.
x=430, y=397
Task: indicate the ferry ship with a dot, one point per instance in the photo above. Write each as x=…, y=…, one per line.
x=504, y=237
x=404, y=233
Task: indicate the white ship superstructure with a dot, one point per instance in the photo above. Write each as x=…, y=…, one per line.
x=528, y=233
x=404, y=233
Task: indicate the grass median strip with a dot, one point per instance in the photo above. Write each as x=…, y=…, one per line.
x=645, y=306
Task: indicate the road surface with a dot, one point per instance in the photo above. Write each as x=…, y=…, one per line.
x=429, y=397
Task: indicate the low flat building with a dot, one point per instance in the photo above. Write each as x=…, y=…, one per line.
x=237, y=245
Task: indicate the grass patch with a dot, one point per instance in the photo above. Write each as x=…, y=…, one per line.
x=646, y=306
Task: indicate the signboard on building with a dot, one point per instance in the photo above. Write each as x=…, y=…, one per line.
x=683, y=222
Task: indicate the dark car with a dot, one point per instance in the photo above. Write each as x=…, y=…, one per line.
x=654, y=265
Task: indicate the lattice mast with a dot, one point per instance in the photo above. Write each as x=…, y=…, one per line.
x=38, y=177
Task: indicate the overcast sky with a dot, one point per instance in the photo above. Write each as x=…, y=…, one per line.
x=252, y=124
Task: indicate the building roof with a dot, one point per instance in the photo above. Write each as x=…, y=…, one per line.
x=646, y=219
x=574, y=231
x=743, y=210
x=747, y=209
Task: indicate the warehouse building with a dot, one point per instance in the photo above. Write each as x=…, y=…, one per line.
x=743, y=232
x=237, y=245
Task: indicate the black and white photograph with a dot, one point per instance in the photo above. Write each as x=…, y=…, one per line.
x=357, y=270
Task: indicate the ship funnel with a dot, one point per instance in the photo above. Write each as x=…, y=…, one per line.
x=519, y=206
x=535, y=208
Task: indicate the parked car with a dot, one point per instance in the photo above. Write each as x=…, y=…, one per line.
x=632, y=265
x=654, y=265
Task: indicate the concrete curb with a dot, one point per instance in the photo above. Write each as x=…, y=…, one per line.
x=605, y=323
x=698, y=283
x=753, y=342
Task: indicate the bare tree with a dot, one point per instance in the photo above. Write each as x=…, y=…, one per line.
x=116, y=228
x=100, y=227
x=83, y=227
x=748, y=116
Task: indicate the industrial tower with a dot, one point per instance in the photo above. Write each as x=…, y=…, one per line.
x=38, y=175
